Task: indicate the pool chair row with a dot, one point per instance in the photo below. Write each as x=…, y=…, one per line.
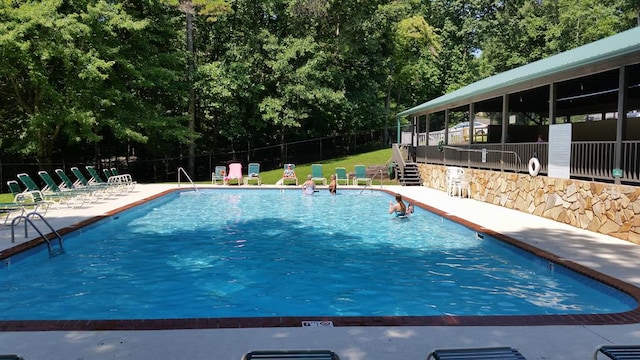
x=67, y=192
x=234, y=174
x=488, y=353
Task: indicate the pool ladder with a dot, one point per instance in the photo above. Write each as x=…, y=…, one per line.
x=379, y=172
x=183, y=171
x=27, y=220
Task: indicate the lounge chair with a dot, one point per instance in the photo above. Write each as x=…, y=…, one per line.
x=291, y=355
x=32, y=200
x=488, y=353
x=125, y=179
x=218, y=175
x=76, y=197
x=10, y=211
x=361, y=175
x=118, y=184
x=342, y=176
x=235, y=172
x=288, y=175
x=316, y=174
x=54, y=197
x=253, y=174
x=94, y=193
x=618, y=352
x=82, y=181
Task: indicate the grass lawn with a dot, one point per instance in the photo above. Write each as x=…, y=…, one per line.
x=379, y=157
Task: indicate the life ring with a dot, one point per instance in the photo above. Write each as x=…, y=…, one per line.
x=534, y=166
x=441, y=146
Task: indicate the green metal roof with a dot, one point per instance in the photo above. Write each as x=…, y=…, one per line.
x=601, y=51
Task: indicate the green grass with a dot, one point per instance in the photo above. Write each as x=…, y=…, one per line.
x=379, y=157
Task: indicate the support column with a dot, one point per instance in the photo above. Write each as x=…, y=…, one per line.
x=505, y=118
x=472, y=120
x=553, y=96
x=623, y=81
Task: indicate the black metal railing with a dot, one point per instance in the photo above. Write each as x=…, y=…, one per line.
x=590, y=160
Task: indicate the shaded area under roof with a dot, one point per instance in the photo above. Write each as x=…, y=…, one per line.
x=588, y=71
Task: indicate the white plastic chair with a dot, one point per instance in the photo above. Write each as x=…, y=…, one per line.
x=455, y=175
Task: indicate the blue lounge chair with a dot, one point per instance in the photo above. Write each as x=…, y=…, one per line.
x=291, y=355
x=488, y=353
x=342, y=176
x=253, y=174
x=316, y=174
x=218, y=175
x=618, y=352
x=361, y=175
x=289, y=175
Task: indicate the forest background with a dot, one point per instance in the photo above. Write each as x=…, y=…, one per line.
x=152, y=84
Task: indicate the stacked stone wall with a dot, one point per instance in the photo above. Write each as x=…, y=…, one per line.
x=604, y=208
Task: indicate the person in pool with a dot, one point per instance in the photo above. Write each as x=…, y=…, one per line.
x=309, y=186
x=333, y=185
x=400, y=208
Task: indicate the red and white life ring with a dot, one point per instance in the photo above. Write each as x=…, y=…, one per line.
x=534, y=166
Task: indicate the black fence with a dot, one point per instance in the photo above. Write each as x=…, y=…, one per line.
x=269, y=158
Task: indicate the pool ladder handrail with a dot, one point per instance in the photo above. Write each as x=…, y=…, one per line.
x=27, y=220
x=181, y=169
x=374, y=176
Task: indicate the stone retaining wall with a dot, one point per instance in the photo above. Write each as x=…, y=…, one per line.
x=605, y=208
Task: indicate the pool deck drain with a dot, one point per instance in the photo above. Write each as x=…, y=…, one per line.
x=602, y=254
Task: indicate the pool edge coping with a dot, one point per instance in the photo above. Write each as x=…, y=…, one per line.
x=628, y=317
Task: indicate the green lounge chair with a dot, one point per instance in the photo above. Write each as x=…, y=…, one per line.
x=81, y=181
x=93, y=192
x=253, y=174
x=53, y=197
x=218, y=175
x=115, y=183
x=342, y=176
x=32, y=200
x=316, y=174
x=76, y=197
x=361, y=175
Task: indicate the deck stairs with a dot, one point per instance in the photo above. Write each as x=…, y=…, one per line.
x=410, y=175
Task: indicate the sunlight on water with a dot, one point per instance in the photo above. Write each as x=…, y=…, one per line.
x=241, y=253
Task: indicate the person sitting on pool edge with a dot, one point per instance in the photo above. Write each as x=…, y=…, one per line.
x=399, y=208
x=333, y=185
x=309, y=187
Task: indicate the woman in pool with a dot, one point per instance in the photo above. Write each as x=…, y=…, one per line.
x=399, y=208
x=309, y=186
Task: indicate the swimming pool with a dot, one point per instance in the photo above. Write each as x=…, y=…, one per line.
x=267, y=253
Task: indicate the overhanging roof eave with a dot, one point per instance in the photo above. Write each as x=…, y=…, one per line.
x=613, y=50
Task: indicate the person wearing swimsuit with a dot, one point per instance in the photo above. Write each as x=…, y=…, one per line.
x=399, y=208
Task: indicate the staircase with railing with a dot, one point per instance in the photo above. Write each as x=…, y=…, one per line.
x=407, y=173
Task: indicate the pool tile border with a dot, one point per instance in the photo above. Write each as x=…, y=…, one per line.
x=629, y=317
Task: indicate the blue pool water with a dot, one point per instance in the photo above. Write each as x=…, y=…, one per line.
x=247, y=253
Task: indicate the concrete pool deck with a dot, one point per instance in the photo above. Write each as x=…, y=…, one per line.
x=602, y=253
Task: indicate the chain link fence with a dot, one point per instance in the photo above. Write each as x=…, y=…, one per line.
x=269, y=158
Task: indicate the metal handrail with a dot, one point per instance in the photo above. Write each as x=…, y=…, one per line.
x=27, y=219
x=372, y=178
x=181, y=169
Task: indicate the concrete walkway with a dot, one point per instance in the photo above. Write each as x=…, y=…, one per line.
x=602, y=253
